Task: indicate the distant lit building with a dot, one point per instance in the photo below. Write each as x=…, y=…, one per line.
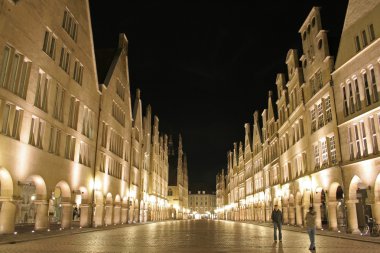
x=202, y=205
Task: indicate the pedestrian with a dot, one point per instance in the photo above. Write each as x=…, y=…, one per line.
x=277, y=223
x=310, y=225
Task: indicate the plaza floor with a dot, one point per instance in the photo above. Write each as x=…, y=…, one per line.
x=182, y=236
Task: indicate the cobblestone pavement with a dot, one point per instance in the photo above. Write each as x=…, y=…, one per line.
x=188, y=236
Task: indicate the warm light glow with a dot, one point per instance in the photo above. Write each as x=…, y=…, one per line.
x=152, y=199
x=97, y=185
x=76, y=175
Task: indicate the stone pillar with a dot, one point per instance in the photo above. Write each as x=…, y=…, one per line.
x=67, y=214
x=318, y=219
x=352, y=217
x=7, y=217
x=285, y=214
x=376, y=211
x=108, y=217
x=292, y=216
x=98, y=215
x=116, y=215
x=42, y=220
x=84, y=215
x=124, y=213
x=333, y=222
x=299, y=217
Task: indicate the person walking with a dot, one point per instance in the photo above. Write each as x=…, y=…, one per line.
x=277, y=223
x=310, y=225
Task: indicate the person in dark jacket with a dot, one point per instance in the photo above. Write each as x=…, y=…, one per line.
x=310, y=225
x=277, y=223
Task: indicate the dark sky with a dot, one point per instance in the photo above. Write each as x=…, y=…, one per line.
x=205, y=67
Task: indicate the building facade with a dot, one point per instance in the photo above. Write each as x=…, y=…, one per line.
x=322, y=149
x=69, y=137
x=202, y=205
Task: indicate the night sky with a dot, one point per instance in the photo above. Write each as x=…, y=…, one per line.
x=206, y=67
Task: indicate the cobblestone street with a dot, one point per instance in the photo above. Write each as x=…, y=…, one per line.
x=188, y=236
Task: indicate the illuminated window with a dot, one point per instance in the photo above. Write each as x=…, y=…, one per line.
x=366, y=86
x=55, y=140
x=351, y=144
x=345, y=102
x=118, y=113
x=316, y=156
x=332, y=149
x=78, y=72
x=374, y=136
x=374, y=86
x=64, y=61
x=357, y=140
x=351, y=96
x=364, y=137
x=37, y=128
x=42, y=92
x=103, y=162
x=313, y=120
x=104, y=135
x=320, y=115
x=12, y=119
x=328, y=109
x=324, y=152
x=73, y=113
x=59, y=103
x=120, y=89
x=88, y=123
x=84, y=154
x=70, y=147
x=50, y=41
x=116, y=143
x=357, y=95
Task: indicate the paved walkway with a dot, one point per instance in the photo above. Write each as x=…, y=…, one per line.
x=343, y=235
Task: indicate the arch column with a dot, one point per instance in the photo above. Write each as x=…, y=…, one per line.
x=376, y=211
x=352, y=217
x=98, y=216
x=84, y=215
x=116, y=216
x=42, y=221
x=318, y=219
x=285, y=214
x=292, y=215
x=67, y=213
x=108, y=216
x=333, y=222
x=7, y=216
x=299, y=217
x=124, y=213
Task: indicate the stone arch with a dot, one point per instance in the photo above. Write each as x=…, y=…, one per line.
x=84, y=194
x=8, y=209
x=40, y=185
x=6, y=183
x=84, y=207
x=355, y=181
x=317, y=199
x=65, y=190
x=109, y=209
x=117, y=198
x=109, y=198
x=332, y=191
x=117, y=209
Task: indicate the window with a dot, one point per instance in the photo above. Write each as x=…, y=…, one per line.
x=357, y=140
x=316, y=156
x=328, y=109
x=64, y=61
x=116, y=144
x=313, y=120
x=364, y=38
x=59, y=102
x=70, y=24
x=104, y=134
x=332, y=149
x=73, y=113
x=120, y=89
x=371, y=33
x=103, y=162
x=374, y=86
x=88, y=123
x=324, y=152
x=351, y=144
x=12, y=119
x=351, y=95
x=84, y=154
x=118, y=113
x=42, y=92
x=364, y=137
x=374, y=137
x=357, y=43
x=55, y=140
x=78, y=72
x=320, y=115
x=345, y=103
x=37, y=128
x=49, y=44
x=70, y=147
x=14, y=72
x=367, y=93
x=357, y=95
